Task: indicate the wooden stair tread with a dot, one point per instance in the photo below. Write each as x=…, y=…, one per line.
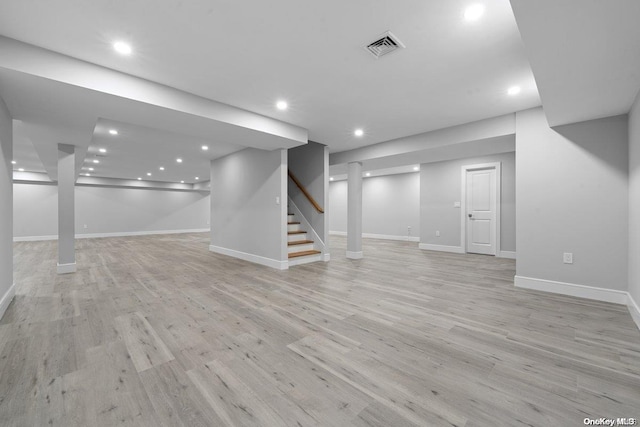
x=296, y=232
x=300, y=242
x=303, y=253
x=293, y=222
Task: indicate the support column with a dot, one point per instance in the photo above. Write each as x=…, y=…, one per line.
x=7, y=287
x=66, y=209
x=212, y=180
x=354, y=211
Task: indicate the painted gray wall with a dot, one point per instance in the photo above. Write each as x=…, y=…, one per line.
x=244, y=213
x=6, y=201
x=634, y=201
x=572, y=186
x=441, y=186
x=390, y=204
x=109, y=210
x=307, y=163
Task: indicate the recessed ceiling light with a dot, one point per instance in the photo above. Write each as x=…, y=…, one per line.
x=282, y=105
x=96, y=161
x=179, y=160
x=474, y=12
x=181, y=182
x=13, y=162
x=139, y=179
x=358, y=132
x=87, y=174
x=416, y=168
x=102, y=150
x=514, y=90
x=205, y=147
x=122, y=48
x=161, y=168
x=148, y=173
x=20, y=170
x=331, y=179
x=367, y=174
x=113, y=131
x=197, y=178
x=91, y=169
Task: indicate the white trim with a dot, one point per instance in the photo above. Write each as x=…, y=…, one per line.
x=441, y=248
x=116, y=234
x=67, y=268
x=6, y=299
x=355, y=255
x=327, y=257
x=257, y=259
x=507, y=254
x=572, y=289
x=634, y=309
x=380, y=236
x=463, y=201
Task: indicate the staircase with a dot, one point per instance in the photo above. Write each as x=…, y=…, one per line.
x=301, y=249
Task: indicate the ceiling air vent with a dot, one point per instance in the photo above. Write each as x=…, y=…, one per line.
x=386, y=43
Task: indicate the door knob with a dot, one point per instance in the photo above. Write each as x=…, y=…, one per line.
x=470, y=215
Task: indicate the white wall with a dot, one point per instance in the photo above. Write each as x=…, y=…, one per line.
x=109, y=210
x=390, y=204
x=441, y=186
x=246, y=222
x=634, y=203
x=6, y=213
x=572, y=187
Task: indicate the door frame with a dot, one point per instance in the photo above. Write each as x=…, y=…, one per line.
x=463, y=202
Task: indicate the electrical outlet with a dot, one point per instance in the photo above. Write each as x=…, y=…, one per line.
x=567, y=258
x=456, y=204
x=277, y=200
x=438, y=233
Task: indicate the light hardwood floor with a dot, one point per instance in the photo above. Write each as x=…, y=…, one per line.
x=157, y=331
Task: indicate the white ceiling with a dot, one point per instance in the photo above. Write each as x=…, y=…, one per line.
x=309, y=53
x=136, y=151
x=585, y=55
x=250, y=54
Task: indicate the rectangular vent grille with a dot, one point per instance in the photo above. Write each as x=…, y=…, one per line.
x=386, y=43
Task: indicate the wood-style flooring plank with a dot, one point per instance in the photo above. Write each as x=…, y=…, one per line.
x=158, y=331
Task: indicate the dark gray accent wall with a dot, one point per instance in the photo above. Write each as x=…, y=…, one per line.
x=309, y=163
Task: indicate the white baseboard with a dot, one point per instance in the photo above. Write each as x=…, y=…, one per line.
x=116, y=234
x=634, y=310
x=257, y=259
x=380, y=236
x=355, y=254
x=572, y=289
x=6, y=299
x=441, y=248
x=506, y=254
x=66, y=268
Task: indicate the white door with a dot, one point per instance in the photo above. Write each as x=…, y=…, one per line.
x=481, y=211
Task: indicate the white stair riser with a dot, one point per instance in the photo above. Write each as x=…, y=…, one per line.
x=301, y=248
x=296, y=237
x=291, y=217
x=293, y=227
x=305, y=260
